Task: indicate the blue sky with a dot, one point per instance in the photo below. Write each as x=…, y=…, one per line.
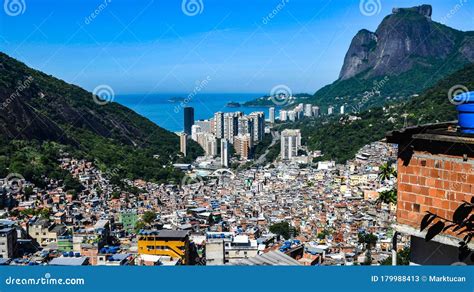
x=147, y=46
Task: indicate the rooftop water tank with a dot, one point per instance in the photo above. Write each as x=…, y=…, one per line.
x=465, y=107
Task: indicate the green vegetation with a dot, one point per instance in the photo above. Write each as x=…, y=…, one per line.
x=262, y=146
x=368, y=239
x=323, y=234
x=33, y=160
x=148, y=217
x=283, y=229
x=42, y=213
x=340, y=138
x=403, y=258
x=61, y=116
x=387, y=172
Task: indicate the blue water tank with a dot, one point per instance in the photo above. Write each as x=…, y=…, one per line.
x=465, y=108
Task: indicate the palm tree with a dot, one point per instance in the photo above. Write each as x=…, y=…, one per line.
x=387, y=197
x=387, y=171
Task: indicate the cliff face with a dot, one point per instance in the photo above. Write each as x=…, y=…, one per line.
x=405, y=38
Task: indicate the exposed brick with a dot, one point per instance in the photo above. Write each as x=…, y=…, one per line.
x=470, y=179
x=424, y=209
x=424, y=191
x=466, y=188
x=422, y=180
x=453, y=205
x=461, y=177
x=466, y=167
x=420, y=200
x=445, y=204
x=430, y=182
x=430, y=163
x=441, y=194
x=437, y=203
x=429, y=201
x=447, y=165
x=425, y=172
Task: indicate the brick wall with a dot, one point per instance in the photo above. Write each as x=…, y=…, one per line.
x=435, y=183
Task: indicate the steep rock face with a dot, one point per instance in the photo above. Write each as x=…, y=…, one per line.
x=406, y=38
x=358, y=55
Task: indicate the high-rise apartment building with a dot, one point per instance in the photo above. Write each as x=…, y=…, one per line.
x=219, y=125
x=188, y=119
x=271, y=113
x=195, y=129
x=316, y=111
x=290, y=143
x=231, y=126
x=243, y=145
x=308, y=110
x=224, y=152
x=258, y=119
x=183, y=137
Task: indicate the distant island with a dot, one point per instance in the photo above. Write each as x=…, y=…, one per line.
x=233, y=104
x=176, y=99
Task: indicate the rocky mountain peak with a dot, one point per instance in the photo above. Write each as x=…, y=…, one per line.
x=405, y=39
x=425, y=10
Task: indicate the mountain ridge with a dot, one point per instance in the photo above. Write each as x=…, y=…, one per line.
x=408, y=48
x=37, y=106
x=387, y=51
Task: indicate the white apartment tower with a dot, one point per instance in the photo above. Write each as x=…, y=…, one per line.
x=308, y=110
x=219, y=125
x=183, y=137
x=195, y=130
x=271, y=113
x=224, y=153
x=290, y=143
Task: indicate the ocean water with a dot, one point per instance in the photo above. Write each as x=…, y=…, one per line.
x=169, y=115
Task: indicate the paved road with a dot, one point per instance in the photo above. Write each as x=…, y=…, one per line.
x=275, y=138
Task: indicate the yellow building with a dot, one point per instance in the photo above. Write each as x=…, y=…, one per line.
x=172, y=243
